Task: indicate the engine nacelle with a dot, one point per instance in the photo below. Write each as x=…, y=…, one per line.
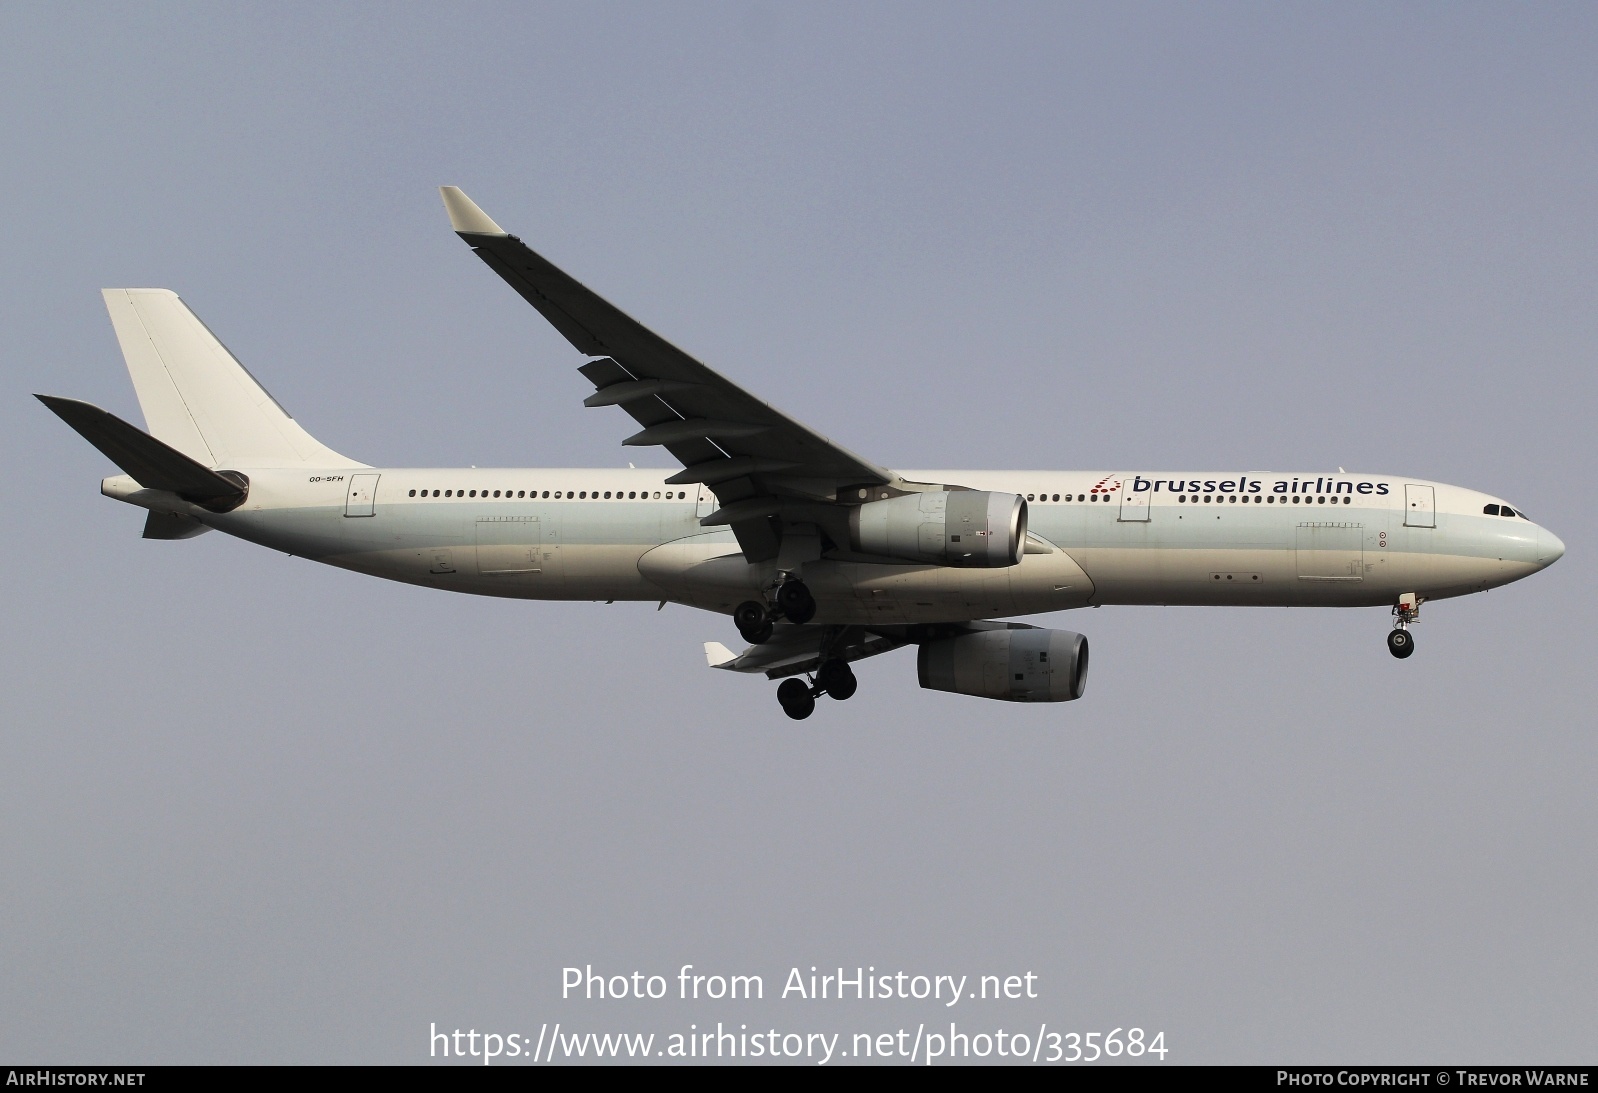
x=966, y=528
x=1030, y=665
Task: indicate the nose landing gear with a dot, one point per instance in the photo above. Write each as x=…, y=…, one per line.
x=1400, y=642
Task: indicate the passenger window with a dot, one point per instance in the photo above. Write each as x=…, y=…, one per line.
x=657, y=495
x=413, y=493
x=1029, y=497
x=1056, y=497
x=449, y=493
x=582, y=495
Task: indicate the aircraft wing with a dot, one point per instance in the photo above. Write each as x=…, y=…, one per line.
x=795, y=649
x=761, y=464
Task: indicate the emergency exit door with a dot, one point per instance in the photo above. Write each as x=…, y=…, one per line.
x=1419, y=506
x=362, y=498
x=1134, y=503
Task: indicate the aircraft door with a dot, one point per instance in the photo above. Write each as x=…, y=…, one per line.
x=362, y=497
x=1419, y=506
x=707, y=503
x=1134, y=504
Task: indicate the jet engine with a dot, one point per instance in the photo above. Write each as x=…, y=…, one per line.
x=1029, y=664
x=966, y=528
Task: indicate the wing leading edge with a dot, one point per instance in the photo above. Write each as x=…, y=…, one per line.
x=765, y=468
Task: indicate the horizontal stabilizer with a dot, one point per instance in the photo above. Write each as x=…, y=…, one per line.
x=172, y=525
x=152, y=464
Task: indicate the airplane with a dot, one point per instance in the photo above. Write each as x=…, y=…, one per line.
x=821, y=557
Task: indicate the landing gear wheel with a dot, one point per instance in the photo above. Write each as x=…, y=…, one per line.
x=1400, y=643
x=795, y=698
x=753, y=621
x=797, y=604
x=838, y=680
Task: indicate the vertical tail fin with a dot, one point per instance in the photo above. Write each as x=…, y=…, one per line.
x=196, y=397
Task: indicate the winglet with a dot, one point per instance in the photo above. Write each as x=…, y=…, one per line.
x=464, y=215
x=718, y=655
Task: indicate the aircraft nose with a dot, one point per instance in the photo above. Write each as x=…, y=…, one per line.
x=1549, y=547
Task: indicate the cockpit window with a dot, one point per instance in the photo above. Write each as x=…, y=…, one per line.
x=1507, y=511
x=1490, y=510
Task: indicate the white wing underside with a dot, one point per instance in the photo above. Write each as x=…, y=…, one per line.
x=795, y=649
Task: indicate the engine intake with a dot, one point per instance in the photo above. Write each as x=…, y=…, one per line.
x=965, y=528
x=1024, y=665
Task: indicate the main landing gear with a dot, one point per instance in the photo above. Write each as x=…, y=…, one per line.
x=1400, y=642
x=755, y=621
x=834, y=678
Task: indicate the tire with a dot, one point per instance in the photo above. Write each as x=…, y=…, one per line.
x=795, y=698
x=759, y=635
x=1400, y=643
x=838, y=680
x=797, y=604
x=750, y=615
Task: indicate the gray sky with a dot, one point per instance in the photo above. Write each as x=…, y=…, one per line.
x=261, y=810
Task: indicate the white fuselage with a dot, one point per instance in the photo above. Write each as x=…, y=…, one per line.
x=1265, y=539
